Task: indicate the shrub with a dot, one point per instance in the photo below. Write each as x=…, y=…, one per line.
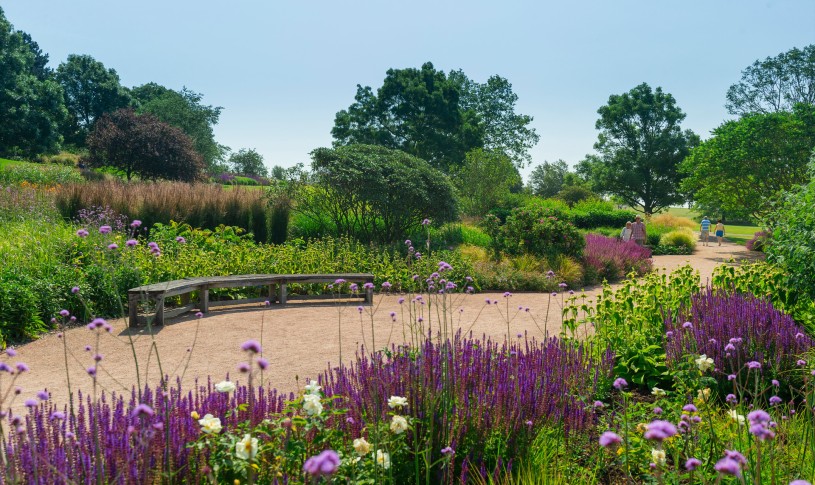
x=592, y=213
x=40, y=175
x=734, y=329
x=760, y=241
x=567, y=270
x=660, y=250
x=535, y=231
x=608, y=259
x=679, y=238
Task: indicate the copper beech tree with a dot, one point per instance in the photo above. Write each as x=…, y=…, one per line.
x=143, y=146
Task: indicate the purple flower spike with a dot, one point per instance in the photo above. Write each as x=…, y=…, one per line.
x=252, y=346
x=609, y=439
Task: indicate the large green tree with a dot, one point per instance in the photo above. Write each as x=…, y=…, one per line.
x=417, y=111
x=31, y=104
x=248, y=162
x=184, y=109
x=494, y=102
x=775, y=84
x=640, y=146
x=143, y=145
x=91, y=90
x=749, y=161
x=548, y=178
x=374, y=193
x=484, y=179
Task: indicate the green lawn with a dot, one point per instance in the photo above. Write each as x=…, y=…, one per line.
x=6, y=162
x=737, y=234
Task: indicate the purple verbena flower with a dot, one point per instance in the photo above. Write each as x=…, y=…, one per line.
x=609, y=439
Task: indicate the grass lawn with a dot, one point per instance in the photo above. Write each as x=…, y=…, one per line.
x=736, y=234
x=6, y=162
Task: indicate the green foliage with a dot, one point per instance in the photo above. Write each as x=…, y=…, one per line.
x=494, y=102
x=184, y=110
x=547, y=179
x=40, y=175
x=31, y=103
x=640, y=145
x=416, y=111
x=748, y=161
x=90, y=90
x=591, y=213
x=775, y=84
x=375, y=193
x=540, y=232
x=484, y=180
x=660, y=250
x=144, y=146
x=679, y=238
x=248, y=162
x=793, y=237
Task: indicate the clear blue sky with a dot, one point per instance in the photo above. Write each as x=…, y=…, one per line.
x=282, y=69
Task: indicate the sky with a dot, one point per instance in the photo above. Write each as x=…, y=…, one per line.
x=282, y=69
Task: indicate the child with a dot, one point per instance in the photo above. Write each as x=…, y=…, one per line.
x=625, y=235
x=719, y=231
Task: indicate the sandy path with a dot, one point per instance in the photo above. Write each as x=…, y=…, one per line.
x=298, y=340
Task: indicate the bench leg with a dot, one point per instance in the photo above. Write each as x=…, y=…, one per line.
x=369, y=295
x=203, y=300
x=159, y=318
x=133, y=309
x=272, y=291
x=281, y=294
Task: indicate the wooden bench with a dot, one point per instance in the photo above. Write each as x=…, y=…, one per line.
x=276, y=283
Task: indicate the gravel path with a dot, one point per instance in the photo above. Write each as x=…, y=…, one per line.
x=299, y=341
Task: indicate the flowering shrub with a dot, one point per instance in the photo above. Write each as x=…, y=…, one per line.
x=606, y=258
x=759, y=241
x=536, y=231
x=740, y=333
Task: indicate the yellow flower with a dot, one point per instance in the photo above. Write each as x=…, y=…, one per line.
x=658, y=456
x=642, y=427
x=703, y=394
x=195, y=415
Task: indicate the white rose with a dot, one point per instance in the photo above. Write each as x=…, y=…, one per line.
x=210, y=424
x=361, y=446
x=397, y=402
x=399, y=424
x=383, y=459
x=312, y=404
x=313, y=388
x=658, y=392
x=704, y=362
x=225, y=386
x=739, y=418
x=247, y=448
x=658, y=456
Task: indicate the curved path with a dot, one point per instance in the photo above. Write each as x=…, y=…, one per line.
x=299, y=341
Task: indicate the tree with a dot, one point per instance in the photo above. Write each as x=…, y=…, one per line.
x=485, y=178
x=416, y=111
x=143, y=145
x=640, y=145
x=31, y=105
x=494, y=103
x=91, y=90
x=183, y=109
x=749, y=161
x=546, y=180
x=40, y=67
x=248, y=162
x=775, y=84
x=375, y=193
x=572, y=194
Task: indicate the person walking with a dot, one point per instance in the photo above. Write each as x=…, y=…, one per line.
x=625, y=235
x=704, y=229
x=719, y=231
x=638, y=232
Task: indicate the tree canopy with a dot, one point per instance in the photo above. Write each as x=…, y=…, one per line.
x=775, y=84
x=31, y=104
x=547, y=179
x=485, y=178
x=248, y=162
x=183, y=109
x=640, y=145
x=494, y=102
x=416, y=111
x=91, y=90
x=375, y=193
x=749, y=161
x=143, y=145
